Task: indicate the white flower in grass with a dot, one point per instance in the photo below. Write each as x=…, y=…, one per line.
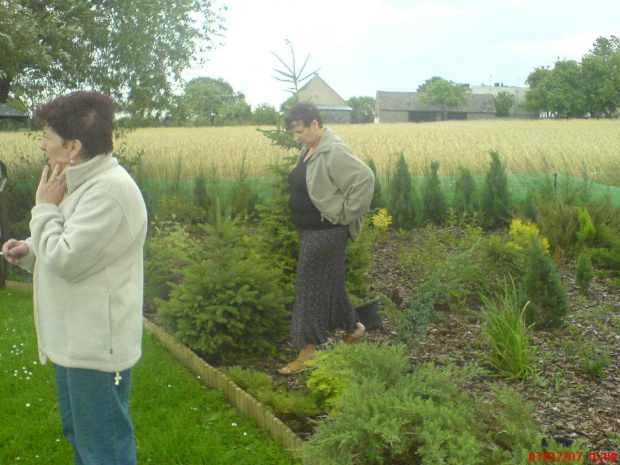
x=233, y=424
x=28, y=404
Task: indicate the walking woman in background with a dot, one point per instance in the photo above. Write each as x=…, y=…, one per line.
x=85, y=249
x=331, y=189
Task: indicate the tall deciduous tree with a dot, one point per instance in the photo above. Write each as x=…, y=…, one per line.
x=205, y=98
x=446, y=94
x=133, y=50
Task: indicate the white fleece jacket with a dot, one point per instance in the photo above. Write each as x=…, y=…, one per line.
x=87, y=258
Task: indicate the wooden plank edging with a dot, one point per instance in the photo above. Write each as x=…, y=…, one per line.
x=238, y=398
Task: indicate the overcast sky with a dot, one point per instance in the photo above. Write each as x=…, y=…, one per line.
x=362, y=46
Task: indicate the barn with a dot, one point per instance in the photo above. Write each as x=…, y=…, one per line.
x=405, y=107
x=334, y=109
x=11, y=113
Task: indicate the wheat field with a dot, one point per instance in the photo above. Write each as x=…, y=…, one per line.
x=574, y=147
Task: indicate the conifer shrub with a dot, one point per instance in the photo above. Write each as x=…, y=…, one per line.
x=230, y=301
x=402, y=196
x=335, y=368
x=167, y=250
x=466, y=196
x=542, y=287
x=275, y=222
x=434, y=209
x=496, y=203
x=529, y=210
x=586, y=232
x=377, y=196
x=585, y=272
x=422, y=417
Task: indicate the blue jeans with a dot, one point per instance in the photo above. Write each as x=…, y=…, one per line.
x=95, y=415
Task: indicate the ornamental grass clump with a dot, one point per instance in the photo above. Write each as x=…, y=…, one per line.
x=507, y=335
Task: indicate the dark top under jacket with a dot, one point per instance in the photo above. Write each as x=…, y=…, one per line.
x=304, y=213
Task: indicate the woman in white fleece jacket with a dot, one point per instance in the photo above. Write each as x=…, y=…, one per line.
x=85, y=250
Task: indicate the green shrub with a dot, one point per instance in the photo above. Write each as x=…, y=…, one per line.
x=167, y=250
x=402, y=196
x=496, y=203
x=466, y=196
x=335, y=368
x=542, y=286
x=586, y=231
x=286, y=403
x=276, y=224
x=176, y=209
x=249, y=380
x=377, y=196
x=422, y=418
x=585, y=273
x=512, y=354
x=434, y=208
x=529, y=210
x=558, y=223
x=230, y=301
x=357, y=260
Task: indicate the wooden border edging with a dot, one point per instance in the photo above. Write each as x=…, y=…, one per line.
x=238, y=398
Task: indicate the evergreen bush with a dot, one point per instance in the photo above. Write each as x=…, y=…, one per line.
x=496, y=203
x=542, y=287
x=434, y=209
x=585, y=272
x=422, y=418
x=167, y=250
x=402, y=196
x=466, y=196
x=377, y=196
x=586, y=232
x=230, y=301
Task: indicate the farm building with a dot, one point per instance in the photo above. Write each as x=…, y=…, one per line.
x=333, y=107
x=518, y=111
x=11, y=113
x=403, y=107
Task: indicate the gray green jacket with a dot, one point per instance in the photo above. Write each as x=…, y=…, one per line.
x=340, y=184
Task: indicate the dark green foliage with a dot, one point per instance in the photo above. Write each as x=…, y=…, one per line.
x=377, y=196
x=585, y=272
x=496, y=203
x=543, y=288
x=243, y=198
x=434, y=208
x=204, y=197
x=528, y=209
x=466, y=196
x=275, y=221
x=402, y=196
x=231, y=301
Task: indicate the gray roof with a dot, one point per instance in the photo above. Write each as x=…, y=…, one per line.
x=335, y=107
x=410, y=101
x=8, y=112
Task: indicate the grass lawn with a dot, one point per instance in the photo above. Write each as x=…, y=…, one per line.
x=177, y=420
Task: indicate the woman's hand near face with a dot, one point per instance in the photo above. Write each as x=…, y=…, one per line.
x=14, y=251
x=52, y=190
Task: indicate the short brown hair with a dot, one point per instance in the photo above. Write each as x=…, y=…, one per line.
x=84, y=116
x=305, y=112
